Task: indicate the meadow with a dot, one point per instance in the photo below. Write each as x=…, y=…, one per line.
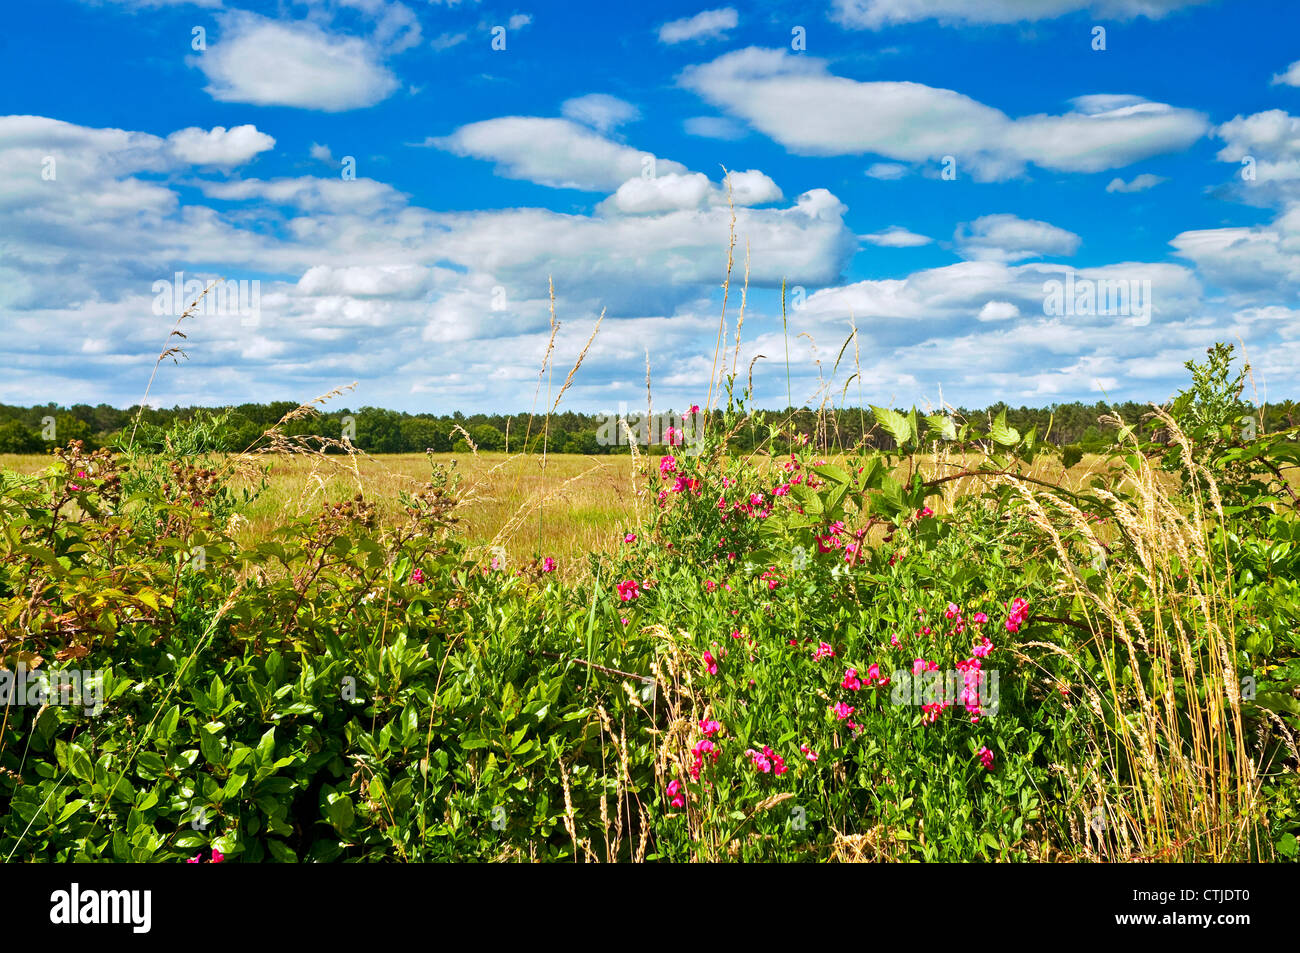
x=970, y=645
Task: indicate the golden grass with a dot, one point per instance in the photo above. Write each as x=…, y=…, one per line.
x=573, y=506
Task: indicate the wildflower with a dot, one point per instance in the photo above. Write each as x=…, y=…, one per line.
x=808, y=753
x=710, y=585
x=628, y=590
x=710, y=727
x=983, y=649
x=979, y=618
x=952, y=611
x=630, y=538
x=736, y=634
x=677, y=796
x=851, y=680
x=822, y=651
x=710, y=664
x=667, y=465
x=778, y=763
x=548, y=564
x=923, y=512
x=417, y=577
x=217, y=856
x=873, y=674
x=986, y=758
x=759, y=760
x=1019, y=611
x=842, y=710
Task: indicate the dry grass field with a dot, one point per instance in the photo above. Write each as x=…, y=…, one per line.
x=571, y=506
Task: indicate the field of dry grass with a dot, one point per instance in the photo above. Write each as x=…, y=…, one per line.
x=574, y=506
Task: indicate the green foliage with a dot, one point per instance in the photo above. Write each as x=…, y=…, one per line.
x=350, y=689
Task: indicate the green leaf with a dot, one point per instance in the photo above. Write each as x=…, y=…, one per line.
x=1002, y=434
x=894, y=423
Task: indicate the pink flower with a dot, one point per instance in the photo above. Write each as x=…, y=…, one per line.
x=667, y=465
x=548, y=564
x=923, y=512
x=710, y=664
x=873, y=673
x=983, y=649
x=217, y=856
x=979, y=618
x=778, y=763
x=851, y=680
x=842, y=710
x=822, y=651
x=952, y=611
x=195, y=859
x=710, y=727
x=986, y=758
x=630, y=538
x=417, y=576
x=736, y=634
x=808, y=753
x=677, y=796
x=1019, y=611
x=628, y=590
x=695, y=408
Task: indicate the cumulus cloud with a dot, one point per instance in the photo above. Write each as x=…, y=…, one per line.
x=555, y=152
x=1266, y=148
x=1010, y=238
x=219, y=146
x=293, y=63
x=998, y=311
x=706, y=25
x=799, y=103
x=874, y=14
x=1289, y=76
x=672, y=192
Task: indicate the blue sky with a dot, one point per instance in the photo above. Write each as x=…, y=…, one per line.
x=401, y=191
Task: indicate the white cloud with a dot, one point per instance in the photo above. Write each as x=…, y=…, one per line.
x=519, y=21
x=796, y=101
x=1257, y=261
x=707, y=25
x=366, y=281
x=219, y=146
x=445, y=41
x=600, y=111
x=714, y=127
x=998, y=311
x=321, y=153
x=672, y=192
x=1266, y=148
x=1289, y=76
x=276, y=63
x=553, y=152
x=1140, y=183
x=897, y=237
x=886, y=171
x=1010, y=238
x=874, y=14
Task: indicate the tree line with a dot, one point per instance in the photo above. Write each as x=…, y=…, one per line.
x=376, y=430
